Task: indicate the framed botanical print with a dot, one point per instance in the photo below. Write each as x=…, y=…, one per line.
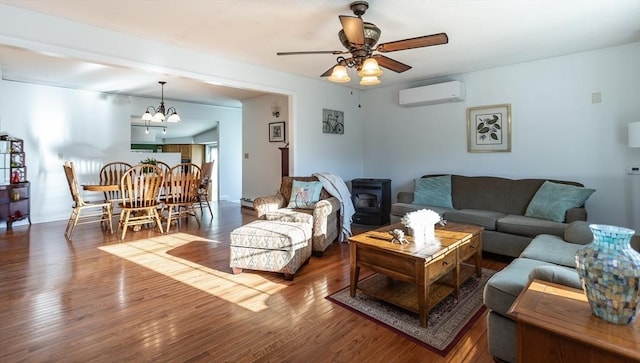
x=489, y=128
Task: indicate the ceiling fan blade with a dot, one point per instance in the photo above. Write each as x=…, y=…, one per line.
x=419, y=42
x=330, y=70
x=391, y=64
x=353, y=29
x=313, y=52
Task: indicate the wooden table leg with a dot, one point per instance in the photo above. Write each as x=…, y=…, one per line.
x=456, y=280
x=423, y=301
x=354, y=270
x=479, y=257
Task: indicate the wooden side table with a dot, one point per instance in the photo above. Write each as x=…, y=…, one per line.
x=554, y=323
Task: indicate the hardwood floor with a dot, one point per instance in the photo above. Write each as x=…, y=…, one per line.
x=95, y=299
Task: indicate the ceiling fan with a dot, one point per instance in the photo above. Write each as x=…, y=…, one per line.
x=360, y=38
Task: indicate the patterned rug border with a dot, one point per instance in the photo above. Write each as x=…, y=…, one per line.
x=487, y=273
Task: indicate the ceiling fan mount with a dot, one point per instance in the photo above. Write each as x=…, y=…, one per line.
x=359, y=7
x=360, y=39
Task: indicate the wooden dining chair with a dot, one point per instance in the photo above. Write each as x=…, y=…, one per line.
x=110, y=174
x=203, y=189
x=163, y=166
x=139, y=187
x=82, y=211
x=164, y=190
x=184, y=180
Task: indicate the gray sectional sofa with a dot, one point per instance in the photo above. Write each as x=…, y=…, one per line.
x=548, y=258
x=498, y=204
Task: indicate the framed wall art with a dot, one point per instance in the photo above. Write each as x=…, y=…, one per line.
x=332, y=121
x=489, y=128
x=276, y=131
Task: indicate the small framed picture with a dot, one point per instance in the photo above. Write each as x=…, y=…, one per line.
x=489, y=128
x=276, y=131
x=332, y=121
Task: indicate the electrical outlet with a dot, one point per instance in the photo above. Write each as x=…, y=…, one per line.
x=246, y=155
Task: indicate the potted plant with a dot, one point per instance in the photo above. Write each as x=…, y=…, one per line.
x=148, y=161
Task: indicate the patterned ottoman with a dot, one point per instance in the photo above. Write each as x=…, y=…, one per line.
x=276, y=246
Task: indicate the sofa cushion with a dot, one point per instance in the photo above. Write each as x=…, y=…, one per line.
x=304, y=194
x=552, y=200
x=290, y=215
x=484, y=218
x=558, y=275
x=271, y=235
x=480, y=193
x=528, y=226
x=400, y=209
x=504, y=286
x=434, y=191
x=552, y=249
x=578, y=232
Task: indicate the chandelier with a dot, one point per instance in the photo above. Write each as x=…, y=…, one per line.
x=160, y=113
x=369, y=70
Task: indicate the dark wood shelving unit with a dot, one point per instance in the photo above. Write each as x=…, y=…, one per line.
x=15, y=190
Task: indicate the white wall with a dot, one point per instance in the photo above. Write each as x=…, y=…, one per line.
x=310, y=150
x=91, y=129
x=261, y=169
x=557, y=132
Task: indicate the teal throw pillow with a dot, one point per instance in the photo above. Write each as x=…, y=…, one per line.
x=304, y=195
x=434, y=191
x=552, y=200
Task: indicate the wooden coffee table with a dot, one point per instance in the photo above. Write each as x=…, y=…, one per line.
x=419, y=277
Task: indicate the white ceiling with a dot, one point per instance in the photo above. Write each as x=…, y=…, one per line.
x=482, y=34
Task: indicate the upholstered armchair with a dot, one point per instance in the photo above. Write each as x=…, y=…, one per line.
x=325, y=212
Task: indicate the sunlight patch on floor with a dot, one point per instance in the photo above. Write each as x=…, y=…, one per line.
x=247, y=290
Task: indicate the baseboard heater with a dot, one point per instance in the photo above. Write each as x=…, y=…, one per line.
x=453, y=91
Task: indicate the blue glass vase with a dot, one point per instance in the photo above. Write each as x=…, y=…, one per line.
x=610, y=273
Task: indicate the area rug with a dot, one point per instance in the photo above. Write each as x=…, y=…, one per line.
x=448, y=320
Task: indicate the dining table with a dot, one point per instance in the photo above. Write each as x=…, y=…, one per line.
x=101, y=187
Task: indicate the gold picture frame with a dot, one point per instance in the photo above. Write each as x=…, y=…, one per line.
x=489, y=128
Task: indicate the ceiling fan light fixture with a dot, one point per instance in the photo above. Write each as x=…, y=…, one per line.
x=369, y=81
x=339, y=74
x=370, y=68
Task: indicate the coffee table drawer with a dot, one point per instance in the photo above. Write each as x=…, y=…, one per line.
x=396, y=266
x=441, y=265
x=469, y=248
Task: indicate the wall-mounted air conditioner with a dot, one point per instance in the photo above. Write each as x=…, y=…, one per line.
x=433, y=94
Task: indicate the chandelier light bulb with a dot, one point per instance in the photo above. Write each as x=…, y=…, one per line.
x=147, y=116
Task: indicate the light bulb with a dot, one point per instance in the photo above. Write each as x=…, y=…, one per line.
x=370, y=67
x=369, y=81
x=339, y=75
